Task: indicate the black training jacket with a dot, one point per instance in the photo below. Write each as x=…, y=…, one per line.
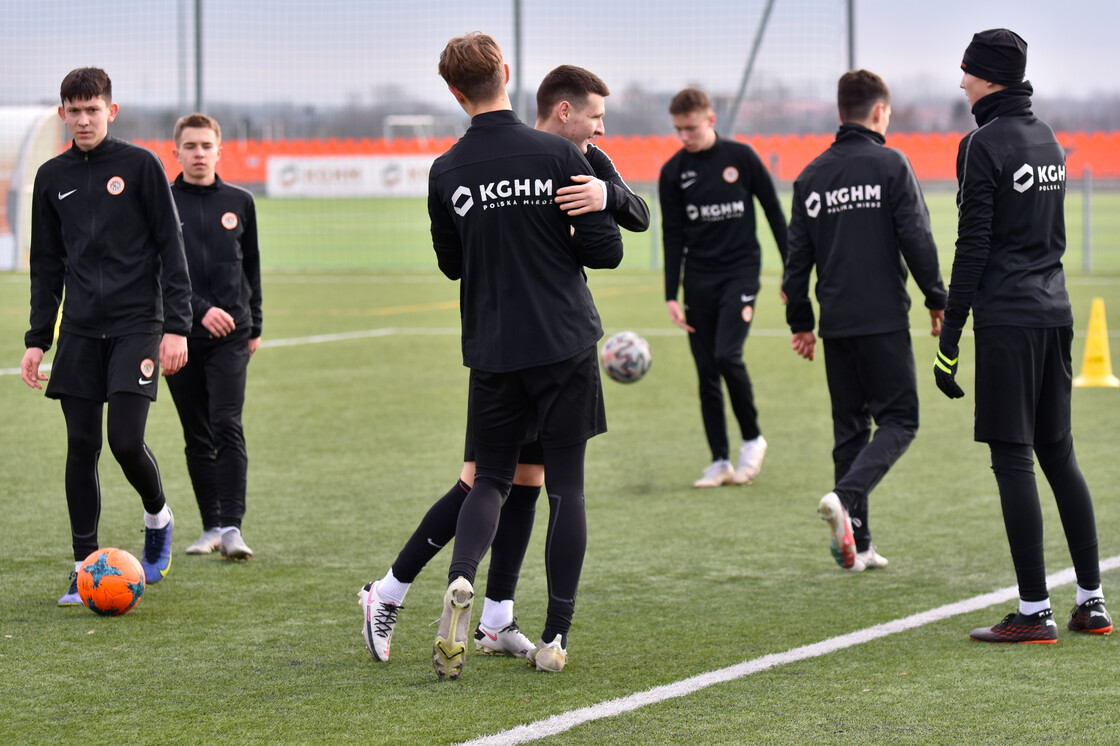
x=708, y=217
x=859, y=216
x=1011, y=234
x=629, y=210
x=524, y=301
x=105, y=228
x=220, y=234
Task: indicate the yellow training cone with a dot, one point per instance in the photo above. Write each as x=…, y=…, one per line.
x=1096, y=369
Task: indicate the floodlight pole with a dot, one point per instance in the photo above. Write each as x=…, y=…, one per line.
x=518, y=70
x=851, y=35
x=198, y=55
x=750, y=66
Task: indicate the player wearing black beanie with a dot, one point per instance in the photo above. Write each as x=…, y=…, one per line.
x=1007, y=270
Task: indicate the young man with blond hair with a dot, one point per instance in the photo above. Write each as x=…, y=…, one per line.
x=530, y=329
x=220, y=233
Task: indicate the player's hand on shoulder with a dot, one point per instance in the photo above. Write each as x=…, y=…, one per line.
x=588, y=195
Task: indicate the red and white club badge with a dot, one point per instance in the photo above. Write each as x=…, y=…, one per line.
x=730, y=174
x=115, y=186
x=147, y=367
x=229, y=221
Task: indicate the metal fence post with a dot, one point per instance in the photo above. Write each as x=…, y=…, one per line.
x=1087, y=221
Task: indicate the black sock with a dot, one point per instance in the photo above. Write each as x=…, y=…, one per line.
x=436, y=528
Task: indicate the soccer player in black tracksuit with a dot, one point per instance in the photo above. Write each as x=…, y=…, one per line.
x=570, y=103
x=706, y=192
x=858, y=212
x=220, y=232
x=1011, y=176
x=104, y=229
x=529, y=330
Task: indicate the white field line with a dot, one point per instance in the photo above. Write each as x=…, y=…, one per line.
x=568, y=720
x=667, y=331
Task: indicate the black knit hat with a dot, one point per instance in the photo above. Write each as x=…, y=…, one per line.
x=997, y=55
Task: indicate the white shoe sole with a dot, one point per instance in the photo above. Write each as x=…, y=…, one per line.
x=450, y=647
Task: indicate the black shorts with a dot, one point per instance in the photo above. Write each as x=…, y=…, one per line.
x=94, y=369
x=562, y=402
x=531, y=452
x=1024, y=380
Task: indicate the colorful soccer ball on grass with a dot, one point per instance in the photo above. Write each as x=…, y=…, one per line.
x=626, y=357
x=110, y=581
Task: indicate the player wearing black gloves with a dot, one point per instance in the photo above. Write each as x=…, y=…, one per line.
x=945, y=366
x=1008, y=271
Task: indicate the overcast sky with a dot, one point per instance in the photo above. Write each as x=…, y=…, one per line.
x=331, y=52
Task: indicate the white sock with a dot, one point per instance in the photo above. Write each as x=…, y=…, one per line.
x=1084, y=595
x=226, y=529
x=158, y=520
x=1028, y=608
x=391, y=589
x=77, y=566
x=497, y=614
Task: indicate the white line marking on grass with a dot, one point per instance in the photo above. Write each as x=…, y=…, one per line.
x=568, y=720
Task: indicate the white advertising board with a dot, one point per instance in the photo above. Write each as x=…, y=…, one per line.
x=348, y=176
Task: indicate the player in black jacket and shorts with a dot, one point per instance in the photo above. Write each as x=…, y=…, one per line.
x=858, y=213
x=104, y=229
x=529, y=331
x=220, y=232
x=570, y=103
x=707, y=191
x=1011, y=175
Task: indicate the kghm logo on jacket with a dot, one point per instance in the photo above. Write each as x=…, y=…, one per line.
x=504, y=193
x=855, y=197
x=1049, y=178
x=718, y=212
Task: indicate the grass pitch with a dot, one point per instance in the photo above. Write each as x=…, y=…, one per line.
x=351, y=440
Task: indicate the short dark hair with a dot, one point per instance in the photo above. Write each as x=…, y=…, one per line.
x=690, y=100
x=857, y=93
x=472, y=64
x=86, y=82
x=200, y=121
x=568, y=83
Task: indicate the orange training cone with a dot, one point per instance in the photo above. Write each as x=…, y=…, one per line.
x=1096, y=369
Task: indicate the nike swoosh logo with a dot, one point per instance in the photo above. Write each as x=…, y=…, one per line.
x=142, y=382
x=687, y=184
x=437, y=546
x=492, y=637
x=62, y=196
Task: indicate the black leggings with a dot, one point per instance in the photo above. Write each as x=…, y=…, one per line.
x=1022, y=512
x=567, y=525
x=128, y=416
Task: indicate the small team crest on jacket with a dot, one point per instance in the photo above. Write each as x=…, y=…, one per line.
x=730, y=174
x=147, y=367
x=114, y=186
x=229, y=221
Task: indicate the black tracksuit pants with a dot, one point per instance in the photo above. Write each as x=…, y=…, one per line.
x=209, y=393
x=870, y=379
